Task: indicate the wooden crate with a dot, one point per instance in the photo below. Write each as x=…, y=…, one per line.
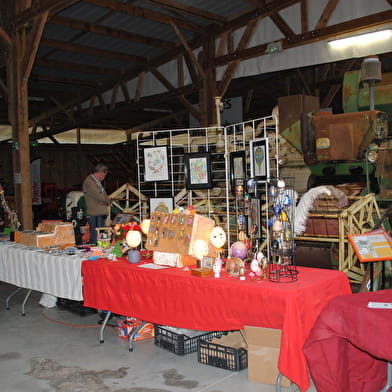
x=49, y=234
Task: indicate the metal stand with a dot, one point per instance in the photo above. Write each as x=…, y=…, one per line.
x=105, y=321
x=7, y=301
x=278, y=380
x=389, y=378
x=133, y=333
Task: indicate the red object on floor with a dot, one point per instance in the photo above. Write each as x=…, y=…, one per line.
x=174, y=297
x=349, y=345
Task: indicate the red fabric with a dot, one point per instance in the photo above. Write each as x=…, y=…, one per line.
x=174, y=297
x=349, y=344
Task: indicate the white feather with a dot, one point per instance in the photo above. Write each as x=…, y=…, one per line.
x=304, y=206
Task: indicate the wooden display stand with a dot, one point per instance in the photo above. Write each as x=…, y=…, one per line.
x=49, y=234
x=177, y=233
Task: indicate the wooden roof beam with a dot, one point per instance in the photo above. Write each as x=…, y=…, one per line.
x=145, y=13
x=110, y=32
x=180, y=97
x=39, y=7
x=5, y=38
x=304, y=16
x=326, y=14
x=188, y=50
x=276, y=18
x=32, y=45
x=172, y=5
x=335, y=88
x=77, y=48
x=82, y=68
x=351, y=26
x=231, y=68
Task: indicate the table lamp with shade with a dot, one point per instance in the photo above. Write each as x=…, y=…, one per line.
x=133, y=240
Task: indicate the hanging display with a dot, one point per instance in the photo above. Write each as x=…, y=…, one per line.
x=155, y=164
x=197, y=170
x=259, y=159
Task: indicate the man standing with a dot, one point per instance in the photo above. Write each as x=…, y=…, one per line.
x=97, y=201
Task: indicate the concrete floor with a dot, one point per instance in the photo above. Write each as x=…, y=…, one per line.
x=56, y=350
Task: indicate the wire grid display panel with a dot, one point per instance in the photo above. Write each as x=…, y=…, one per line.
x=218, y=202
x=210, y=201
x=238, y=138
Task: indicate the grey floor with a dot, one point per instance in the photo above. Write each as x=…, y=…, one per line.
x=56, y=350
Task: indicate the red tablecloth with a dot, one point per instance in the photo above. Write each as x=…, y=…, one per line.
x=349, y=345
x=174, y=297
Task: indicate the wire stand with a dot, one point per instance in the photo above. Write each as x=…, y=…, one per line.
x=281, y=208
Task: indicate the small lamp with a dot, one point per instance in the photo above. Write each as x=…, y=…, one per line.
x=218, y=239
x=200, y=249
x=133, y=239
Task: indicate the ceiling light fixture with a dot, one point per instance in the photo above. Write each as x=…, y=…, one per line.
x=361, y=39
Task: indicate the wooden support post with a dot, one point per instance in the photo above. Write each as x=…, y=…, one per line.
x=18, y=115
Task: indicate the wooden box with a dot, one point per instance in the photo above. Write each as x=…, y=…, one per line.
x=49, y=234
x=202, y=272
x=177, y=233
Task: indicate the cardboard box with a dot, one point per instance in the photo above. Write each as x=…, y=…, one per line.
x=125, y=327
x=263, y=354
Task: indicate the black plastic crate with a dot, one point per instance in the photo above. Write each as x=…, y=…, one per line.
x=223, y=357
x=178, y=343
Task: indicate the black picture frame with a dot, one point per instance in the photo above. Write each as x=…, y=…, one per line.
x=237, y=168
x=259, y=159
x=156, y=166
x=197, y=170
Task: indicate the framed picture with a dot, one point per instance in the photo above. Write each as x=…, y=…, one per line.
x=122, y=217
x=259, y=159
x=161, y=204
x=197, y=170
x=237, y=168
x=207, y=262
x=156, y=166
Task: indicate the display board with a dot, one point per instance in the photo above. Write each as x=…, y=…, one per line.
x=177, y=233
x=372, y=246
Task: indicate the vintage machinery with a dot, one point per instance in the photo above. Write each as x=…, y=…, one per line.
x=354, y=146
x=352, y=150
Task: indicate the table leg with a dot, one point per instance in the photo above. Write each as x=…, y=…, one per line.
x=7, y=301
x=24, y=302
x=105, y=321
x=389, y=378
x=278, y=380
x=133, y=333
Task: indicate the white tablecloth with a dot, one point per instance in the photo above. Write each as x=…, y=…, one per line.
x=33, y=268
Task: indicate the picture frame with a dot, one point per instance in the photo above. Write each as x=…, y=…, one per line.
x=237, y=168
x=197, y=170
x=207, y=262
x=161, y=204
x=122, y=218
x=156, y=167
x=259, y=159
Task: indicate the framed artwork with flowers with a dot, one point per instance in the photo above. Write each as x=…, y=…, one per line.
x=197, y=170
x=156, y=166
